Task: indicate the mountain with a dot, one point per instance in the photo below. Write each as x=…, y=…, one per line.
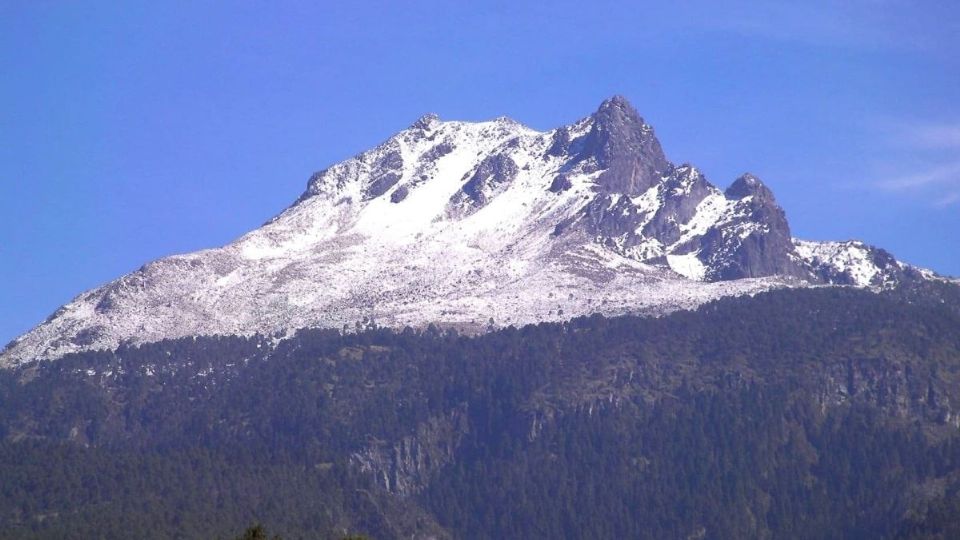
x=475, y=225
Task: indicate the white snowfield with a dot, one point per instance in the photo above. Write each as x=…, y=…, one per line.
x=851, y=256
x=419, y=252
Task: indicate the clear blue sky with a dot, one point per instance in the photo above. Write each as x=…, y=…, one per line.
x=134, y=130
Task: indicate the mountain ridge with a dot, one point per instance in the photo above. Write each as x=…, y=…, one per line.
x=475, y=225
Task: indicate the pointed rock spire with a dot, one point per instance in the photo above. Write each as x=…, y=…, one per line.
x=763, y=245
x=625, y=146
x=748, y=185
x=426, y=121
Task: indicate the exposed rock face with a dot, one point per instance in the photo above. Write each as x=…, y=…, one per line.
x=624, y=148
x=405, y=467
x=684, y=190
x=760, y=244
x=389, y=171
x=894, y=388
x=458, y=223
x=492, y=176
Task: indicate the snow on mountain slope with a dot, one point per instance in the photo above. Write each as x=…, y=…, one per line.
x=858, y=264
x=851, y=259
x=471, y=225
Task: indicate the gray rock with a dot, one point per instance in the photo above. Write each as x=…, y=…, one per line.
x=386, y=173
x=758, y=244
x=490, y=177
x=684, y=189
x=399, y=194
x=625, y=148
x=560, y=184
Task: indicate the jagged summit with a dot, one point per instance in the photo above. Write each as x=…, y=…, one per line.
x=624, y=147
x=749, y=185
x=472, y=224
x=426, y=121
x=617, y=115
x=618, y=101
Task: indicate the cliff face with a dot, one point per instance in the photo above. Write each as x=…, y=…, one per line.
x=405, y=467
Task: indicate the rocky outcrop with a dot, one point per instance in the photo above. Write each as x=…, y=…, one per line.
x=624, y=147
x=683, y=191
x=405, y=467
x=895, y=388
x=757, y=242
x=389, y=171
x=491, y=176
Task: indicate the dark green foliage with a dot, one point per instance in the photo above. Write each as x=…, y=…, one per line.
x=256, y=532
x=795, y=414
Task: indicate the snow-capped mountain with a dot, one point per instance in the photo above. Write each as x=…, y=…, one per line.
x=470, y=225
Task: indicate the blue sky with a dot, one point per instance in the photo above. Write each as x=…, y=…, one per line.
x=134, y=130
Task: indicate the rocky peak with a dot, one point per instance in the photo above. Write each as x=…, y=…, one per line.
x=749, y=185
x=751, y=192
x=425, y=122
x=625, y=147
x=758, y=241
x=616, y=110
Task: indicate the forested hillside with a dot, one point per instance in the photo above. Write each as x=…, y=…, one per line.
x=811, y=413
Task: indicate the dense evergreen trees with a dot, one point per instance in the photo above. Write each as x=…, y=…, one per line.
x=815, y=413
